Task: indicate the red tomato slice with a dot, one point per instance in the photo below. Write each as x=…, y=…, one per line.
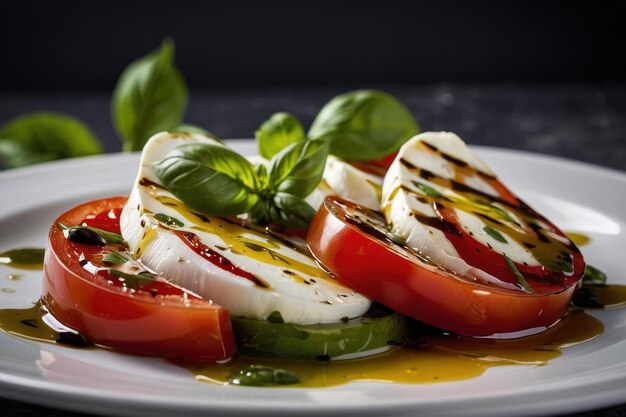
x=345, y=239
x=156, y=318
x=378, y=166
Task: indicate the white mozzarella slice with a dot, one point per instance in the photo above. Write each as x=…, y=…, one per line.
x=267, y=274
x=353, y=184
x=405, y=199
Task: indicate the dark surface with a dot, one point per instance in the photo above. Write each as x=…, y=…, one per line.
x=80, y=45
x=576, y=121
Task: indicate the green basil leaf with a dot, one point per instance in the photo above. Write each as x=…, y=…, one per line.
x=593, y=276
x=117, y=258
x=189, y=128
x=290, y=212
x=279, y=131
x=210, y=178
x=133, y=280
x=149, y=97
x=298, y=168
x=40, y=137
x=363, y=125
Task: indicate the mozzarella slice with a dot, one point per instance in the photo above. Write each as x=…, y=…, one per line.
x=422, y=166
x=248, y=271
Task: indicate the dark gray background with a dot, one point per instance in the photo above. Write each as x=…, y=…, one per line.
x=546, y=77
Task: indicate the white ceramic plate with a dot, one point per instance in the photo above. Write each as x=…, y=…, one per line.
x=577, y=197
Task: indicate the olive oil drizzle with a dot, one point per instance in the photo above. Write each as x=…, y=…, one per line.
x=549, y=251
x=240, y=239
x=427, y=359
x=33, y=324
x=23, y=258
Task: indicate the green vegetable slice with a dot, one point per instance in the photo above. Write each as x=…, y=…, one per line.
x=323, y=341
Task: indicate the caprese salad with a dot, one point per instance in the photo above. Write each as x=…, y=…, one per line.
x=304, y=255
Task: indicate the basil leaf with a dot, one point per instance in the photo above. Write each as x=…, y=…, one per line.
x=363, y=125
x=117, y=258
x=40, y=137
x=291, y=212
x=593, y=276
x=280, y=130
x=210, y=178
x=133, y=280
x=520, y=278
x=298, y=168
x=108, y=237
x=149, y=97
x=189, y=128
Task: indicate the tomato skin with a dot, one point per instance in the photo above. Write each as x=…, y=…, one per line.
x=187, y=329
x=421, y=290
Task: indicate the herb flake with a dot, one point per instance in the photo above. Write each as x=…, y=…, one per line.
x=495, y=234
x=520, y=278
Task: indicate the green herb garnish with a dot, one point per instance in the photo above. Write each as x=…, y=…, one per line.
x=261, y=376
x=117, y=258
x=495, y=234
x=149, y=97
x=363, y=125
x=278, y=132
x=429, y=191
x=168, y=220
x=216, y=180
x=133, y=280
x=520, y=278
x=40, y=137
x=593, y=276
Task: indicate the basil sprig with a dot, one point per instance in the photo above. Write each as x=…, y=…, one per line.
x=149, y=97
x=216, y=180
x=360, y=125
x=41, y=137
x=279, y=131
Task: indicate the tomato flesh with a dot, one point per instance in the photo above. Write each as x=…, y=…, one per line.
x=155, y=318
x=366, y=261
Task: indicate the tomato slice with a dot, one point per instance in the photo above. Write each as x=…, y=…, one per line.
x=352, y=243
x=156, y=318
x=378, y=166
